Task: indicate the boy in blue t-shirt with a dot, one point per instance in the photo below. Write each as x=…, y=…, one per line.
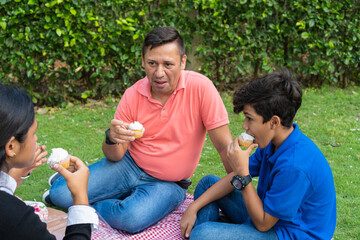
x=295, y=197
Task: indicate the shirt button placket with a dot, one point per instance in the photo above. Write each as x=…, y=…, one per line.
x=164, y=115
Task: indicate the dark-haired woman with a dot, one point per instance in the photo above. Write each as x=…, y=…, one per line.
x=19, y=155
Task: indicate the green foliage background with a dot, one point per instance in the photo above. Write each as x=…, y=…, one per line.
x=69, y=50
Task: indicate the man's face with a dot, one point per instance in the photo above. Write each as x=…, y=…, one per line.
x=253, y=124
x=163, y=67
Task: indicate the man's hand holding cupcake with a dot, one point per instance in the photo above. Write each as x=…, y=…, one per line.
x=121, y=132
x=137, y=128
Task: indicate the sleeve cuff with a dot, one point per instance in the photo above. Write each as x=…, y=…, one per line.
x=82, y=214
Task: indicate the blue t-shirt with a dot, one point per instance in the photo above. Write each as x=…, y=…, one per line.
x=296, y=185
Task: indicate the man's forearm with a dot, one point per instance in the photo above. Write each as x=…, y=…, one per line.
x=221, y=138
x=114, y=152
x=224, y=159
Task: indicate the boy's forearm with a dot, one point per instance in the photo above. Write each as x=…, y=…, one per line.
x=220, y=189
x=255, y=208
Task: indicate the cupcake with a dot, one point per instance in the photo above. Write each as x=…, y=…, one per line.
x=245, y=140
x=137, y=128
x=59, y=156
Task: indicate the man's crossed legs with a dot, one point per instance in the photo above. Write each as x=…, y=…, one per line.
x=124, y=195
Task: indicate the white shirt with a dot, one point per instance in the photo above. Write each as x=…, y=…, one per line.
x=78, y=214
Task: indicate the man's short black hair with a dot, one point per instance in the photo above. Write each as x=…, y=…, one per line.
x=163, y=35
x=277, y=93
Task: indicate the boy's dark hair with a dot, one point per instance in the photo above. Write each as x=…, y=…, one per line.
x=163, y=35
x=277, y=93
x=16, y=116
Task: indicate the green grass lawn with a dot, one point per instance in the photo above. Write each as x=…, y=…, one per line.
x=329, y=116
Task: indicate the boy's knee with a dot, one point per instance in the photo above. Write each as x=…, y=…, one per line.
x=200, y=232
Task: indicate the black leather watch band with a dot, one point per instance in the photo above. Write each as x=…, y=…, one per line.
x=240, y=182
x=107, y=139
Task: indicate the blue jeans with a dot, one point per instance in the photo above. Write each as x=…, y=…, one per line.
x=124, y=195
x=207, y=225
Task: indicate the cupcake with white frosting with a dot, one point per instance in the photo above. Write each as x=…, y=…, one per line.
x=59, y=156
x=137, y=128
x=245, y=140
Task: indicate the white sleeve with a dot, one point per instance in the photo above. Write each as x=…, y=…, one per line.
x=80, y=214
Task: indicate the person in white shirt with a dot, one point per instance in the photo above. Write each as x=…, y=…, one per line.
x=19, y=156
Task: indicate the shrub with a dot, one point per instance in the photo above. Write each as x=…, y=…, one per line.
x=317, y=39
x=64, y=50
x=69, y=50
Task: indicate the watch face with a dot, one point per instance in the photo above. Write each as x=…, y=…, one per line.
x=237, y=183
x=240, y=182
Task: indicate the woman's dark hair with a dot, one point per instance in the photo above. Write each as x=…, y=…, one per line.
x=16, y=116
x=163, y=35
x=277, y=93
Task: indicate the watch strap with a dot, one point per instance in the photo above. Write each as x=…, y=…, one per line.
x=107, y=138
x=244, y=180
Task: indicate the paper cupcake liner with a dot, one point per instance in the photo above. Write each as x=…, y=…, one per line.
x=244, y=144
x=138, y=133
x=66, y=162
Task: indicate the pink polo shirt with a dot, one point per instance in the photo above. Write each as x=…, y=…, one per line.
x=175, y=132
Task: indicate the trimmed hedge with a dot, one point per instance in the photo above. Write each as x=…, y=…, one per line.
x=319, y=40
x=63, y=50
x=68, y=50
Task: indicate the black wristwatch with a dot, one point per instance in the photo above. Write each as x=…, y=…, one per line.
x=241, y=182
x=107, y=139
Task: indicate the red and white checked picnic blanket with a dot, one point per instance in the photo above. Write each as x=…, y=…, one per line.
x=168, y=228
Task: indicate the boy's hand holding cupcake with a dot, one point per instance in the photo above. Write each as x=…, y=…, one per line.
x=238, y=158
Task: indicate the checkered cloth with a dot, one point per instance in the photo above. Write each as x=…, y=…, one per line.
x=168, y=228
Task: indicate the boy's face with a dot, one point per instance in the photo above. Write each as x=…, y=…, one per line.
x=253, y=124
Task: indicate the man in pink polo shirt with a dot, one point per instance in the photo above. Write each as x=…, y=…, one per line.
x=141, y=180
